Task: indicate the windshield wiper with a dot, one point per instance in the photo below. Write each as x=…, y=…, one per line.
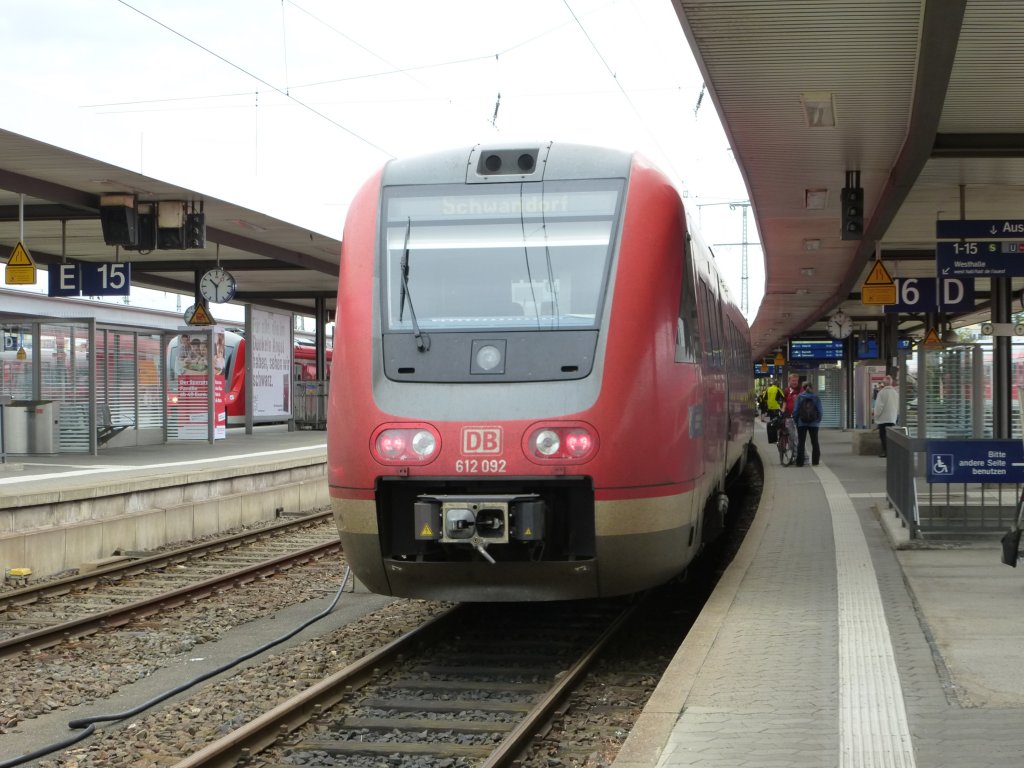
x=422, y=340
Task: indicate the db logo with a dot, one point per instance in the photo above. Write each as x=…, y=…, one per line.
x=481, y=440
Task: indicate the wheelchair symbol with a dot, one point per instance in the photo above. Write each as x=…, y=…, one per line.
x=942, y=464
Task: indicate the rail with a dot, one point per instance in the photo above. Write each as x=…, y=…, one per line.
x=943, y=510
x=240, y=745
x=123, y=614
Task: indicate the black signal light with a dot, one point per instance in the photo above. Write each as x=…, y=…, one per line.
x=853, y=213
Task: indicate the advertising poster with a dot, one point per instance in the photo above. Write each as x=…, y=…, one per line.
x=271, y=363
x=190, y=368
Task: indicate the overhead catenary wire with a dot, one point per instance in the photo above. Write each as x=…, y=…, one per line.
x=622, y=90
x=394, y=70
x=259, y=79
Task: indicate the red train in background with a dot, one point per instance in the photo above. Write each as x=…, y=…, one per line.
x=546, y=383
x=303, y=369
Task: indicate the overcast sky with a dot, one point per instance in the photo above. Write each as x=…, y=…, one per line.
x=287, y=107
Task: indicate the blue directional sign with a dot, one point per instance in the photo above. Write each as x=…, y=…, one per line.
x=980, y=258
x=64, y=280
x=90, y=279
x=975, y=228
x=975, y=461
x=106, y=279
x=928, y=294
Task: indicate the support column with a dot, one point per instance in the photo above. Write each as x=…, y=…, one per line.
x=320, y=309
x=1002, y=368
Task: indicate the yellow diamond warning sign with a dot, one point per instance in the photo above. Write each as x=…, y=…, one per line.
x=879, y=288
x=20, y=269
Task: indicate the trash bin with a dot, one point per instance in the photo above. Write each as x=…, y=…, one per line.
x=43, y=426
x=16, y=427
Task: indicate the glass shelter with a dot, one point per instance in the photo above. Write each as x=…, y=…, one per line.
x=77, y=386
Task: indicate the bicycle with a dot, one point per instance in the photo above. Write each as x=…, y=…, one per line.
x=785, y=442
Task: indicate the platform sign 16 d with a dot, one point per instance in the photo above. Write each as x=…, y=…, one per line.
x=90, y=279
x=929, y=294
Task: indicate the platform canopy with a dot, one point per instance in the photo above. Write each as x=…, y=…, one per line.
x=276, y=264
x=921, y=98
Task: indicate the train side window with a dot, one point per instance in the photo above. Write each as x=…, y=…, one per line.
x=712, y=336
x=687, y=329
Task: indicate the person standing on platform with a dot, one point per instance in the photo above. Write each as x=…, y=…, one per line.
x=790, y=393
x=774, y=399
x=886, y=410
x=807, y=415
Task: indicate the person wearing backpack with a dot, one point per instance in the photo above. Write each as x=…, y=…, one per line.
x=807, y=413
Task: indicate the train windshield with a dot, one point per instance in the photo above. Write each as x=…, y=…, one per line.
x=521, y=256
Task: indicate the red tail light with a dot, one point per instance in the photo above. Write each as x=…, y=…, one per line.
x=578, y=443
x=415, y=444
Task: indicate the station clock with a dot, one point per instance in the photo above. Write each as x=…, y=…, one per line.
x=218, y=286
x=839, y=325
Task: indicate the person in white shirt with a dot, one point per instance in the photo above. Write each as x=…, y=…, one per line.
x=887, y=408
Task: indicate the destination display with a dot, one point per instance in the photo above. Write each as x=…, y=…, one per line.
x=980, y=258
x=867, y=347
x=815, y=349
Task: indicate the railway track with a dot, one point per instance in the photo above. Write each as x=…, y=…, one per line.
x=474, y=685
x=43, y=615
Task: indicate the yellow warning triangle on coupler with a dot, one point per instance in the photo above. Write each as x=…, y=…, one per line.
x=426, y=533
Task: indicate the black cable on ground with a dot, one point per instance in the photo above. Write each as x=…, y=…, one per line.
x=89, y=723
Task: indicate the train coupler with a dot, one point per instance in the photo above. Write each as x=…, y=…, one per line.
x=479, y=520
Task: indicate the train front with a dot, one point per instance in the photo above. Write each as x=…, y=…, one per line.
x=463, y=433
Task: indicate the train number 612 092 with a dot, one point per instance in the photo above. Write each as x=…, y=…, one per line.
x=492, y=466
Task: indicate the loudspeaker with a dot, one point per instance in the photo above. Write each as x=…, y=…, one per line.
x=120, y=225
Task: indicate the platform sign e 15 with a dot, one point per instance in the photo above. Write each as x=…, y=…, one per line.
x=105, y=279
x=90, y=279
x=64, y=280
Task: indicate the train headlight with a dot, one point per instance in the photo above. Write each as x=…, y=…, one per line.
x=488, y=357
x=546, y=442
x=423, y=444
x=417, y=444
x=568, y=442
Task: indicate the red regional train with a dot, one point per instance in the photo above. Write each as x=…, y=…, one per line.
x=546, y=383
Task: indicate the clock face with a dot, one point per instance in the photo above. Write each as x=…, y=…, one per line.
x=218, y=285
x=839, y=326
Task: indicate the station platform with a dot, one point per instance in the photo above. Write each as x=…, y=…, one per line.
x=831, y=640
x=59, y=512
